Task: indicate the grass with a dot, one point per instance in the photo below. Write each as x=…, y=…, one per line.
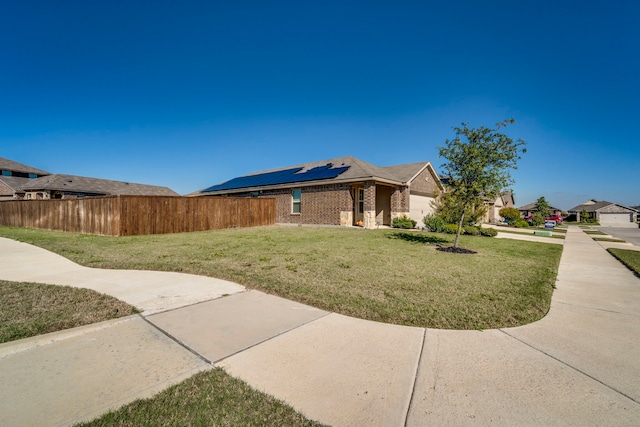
x=529, y=232
x=382, y=275
x=629, y=258
x=210, y=398
x=608, y=239
x=595, y=232
x=30, y=309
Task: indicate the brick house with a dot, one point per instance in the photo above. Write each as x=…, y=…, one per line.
x=606, y=213
x=504, y=200
x=343, y=191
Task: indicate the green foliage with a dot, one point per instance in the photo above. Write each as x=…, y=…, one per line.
x=543, y=208
x=448, y=207
x=478, y=164
x=403, y=222
x=452, y=229
x=488, y=232
x=521, y=223
x=586, y=218
x=510, y=214
x=471, y=230
x=434, y=223
x=537, y=219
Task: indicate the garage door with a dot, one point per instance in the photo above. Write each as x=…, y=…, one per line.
x=419, y=207
x=616, y=219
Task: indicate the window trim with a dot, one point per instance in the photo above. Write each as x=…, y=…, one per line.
x=296, y=202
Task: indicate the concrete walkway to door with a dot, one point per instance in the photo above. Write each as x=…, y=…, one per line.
x=577, y=366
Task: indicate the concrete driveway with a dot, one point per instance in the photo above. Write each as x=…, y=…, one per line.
x=631, y=235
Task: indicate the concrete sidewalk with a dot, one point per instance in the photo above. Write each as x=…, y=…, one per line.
x=577, y=366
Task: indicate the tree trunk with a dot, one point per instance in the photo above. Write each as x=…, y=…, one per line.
x=455, y=244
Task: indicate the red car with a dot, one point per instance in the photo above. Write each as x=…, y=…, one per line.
x=556, y=218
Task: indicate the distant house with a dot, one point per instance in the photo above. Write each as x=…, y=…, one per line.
x=606, y=213
x=342, y=191
x=527, y=210
x=13, y=175
x=21, y=182
x=504, y=200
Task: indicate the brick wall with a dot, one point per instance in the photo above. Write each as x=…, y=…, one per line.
x=425, y=184
x=325, y=204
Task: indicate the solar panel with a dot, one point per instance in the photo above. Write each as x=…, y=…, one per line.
x=286, y=176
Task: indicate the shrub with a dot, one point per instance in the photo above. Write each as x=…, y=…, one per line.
x=452, y=229
x=403, y=222
x=472, y=230
x=521, y=223
x=434, y=223
x=488, y=232
x=509, y=214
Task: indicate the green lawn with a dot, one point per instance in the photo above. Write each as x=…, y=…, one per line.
x=529, y=232
x=210, y=398
x=629, y=258
x=29, y=309
x=383, y=275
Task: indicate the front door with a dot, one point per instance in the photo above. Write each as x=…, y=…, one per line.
x=359, y=206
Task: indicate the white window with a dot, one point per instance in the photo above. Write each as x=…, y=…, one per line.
x=296, y=195
x=361, y=200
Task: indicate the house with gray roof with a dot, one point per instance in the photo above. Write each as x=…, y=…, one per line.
x=528, y=210
x=22, y=182
x=606, y=213
x=13, y=175
x=341, y=191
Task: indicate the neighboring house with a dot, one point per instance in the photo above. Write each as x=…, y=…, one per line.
x=70, y=187
x=504, y=200
x=342, y=191
x=527, y=210
x=13, y=175
x=22, y=182
x=606, y=213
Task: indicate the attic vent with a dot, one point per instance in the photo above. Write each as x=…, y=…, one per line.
x=69, y=180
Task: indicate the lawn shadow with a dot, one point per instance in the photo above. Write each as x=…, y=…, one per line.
x=419, y=238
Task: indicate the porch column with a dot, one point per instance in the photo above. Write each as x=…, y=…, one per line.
x=369, y=220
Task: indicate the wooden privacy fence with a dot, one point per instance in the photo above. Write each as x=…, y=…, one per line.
x=135, y=215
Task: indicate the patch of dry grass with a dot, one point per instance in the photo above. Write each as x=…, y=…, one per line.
x=30, y=309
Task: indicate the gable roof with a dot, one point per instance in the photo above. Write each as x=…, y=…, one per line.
x=594, y=206
x=10, y=165
x=14, y=182
x=97, y=186
x=532, y=207
x=336, y=170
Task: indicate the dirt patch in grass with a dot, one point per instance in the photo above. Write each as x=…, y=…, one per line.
x=381, y=275
x=30, y=309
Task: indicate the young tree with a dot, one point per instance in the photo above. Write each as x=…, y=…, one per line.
x=478, y=164
x=543, y=211
x=447, y=207
x=510, y=214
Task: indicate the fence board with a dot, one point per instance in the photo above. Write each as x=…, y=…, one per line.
x=135, y=215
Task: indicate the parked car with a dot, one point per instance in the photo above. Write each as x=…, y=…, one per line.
x=556, y=218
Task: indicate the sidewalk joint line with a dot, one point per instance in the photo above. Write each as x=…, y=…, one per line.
x=270, y=338
x=596, y=309
x=571, y=367
x=415, y=377
x=177, y=341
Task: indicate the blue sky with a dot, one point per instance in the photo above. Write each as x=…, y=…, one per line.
x=190, y=94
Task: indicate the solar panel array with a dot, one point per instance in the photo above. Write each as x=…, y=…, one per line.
x=286, y=176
